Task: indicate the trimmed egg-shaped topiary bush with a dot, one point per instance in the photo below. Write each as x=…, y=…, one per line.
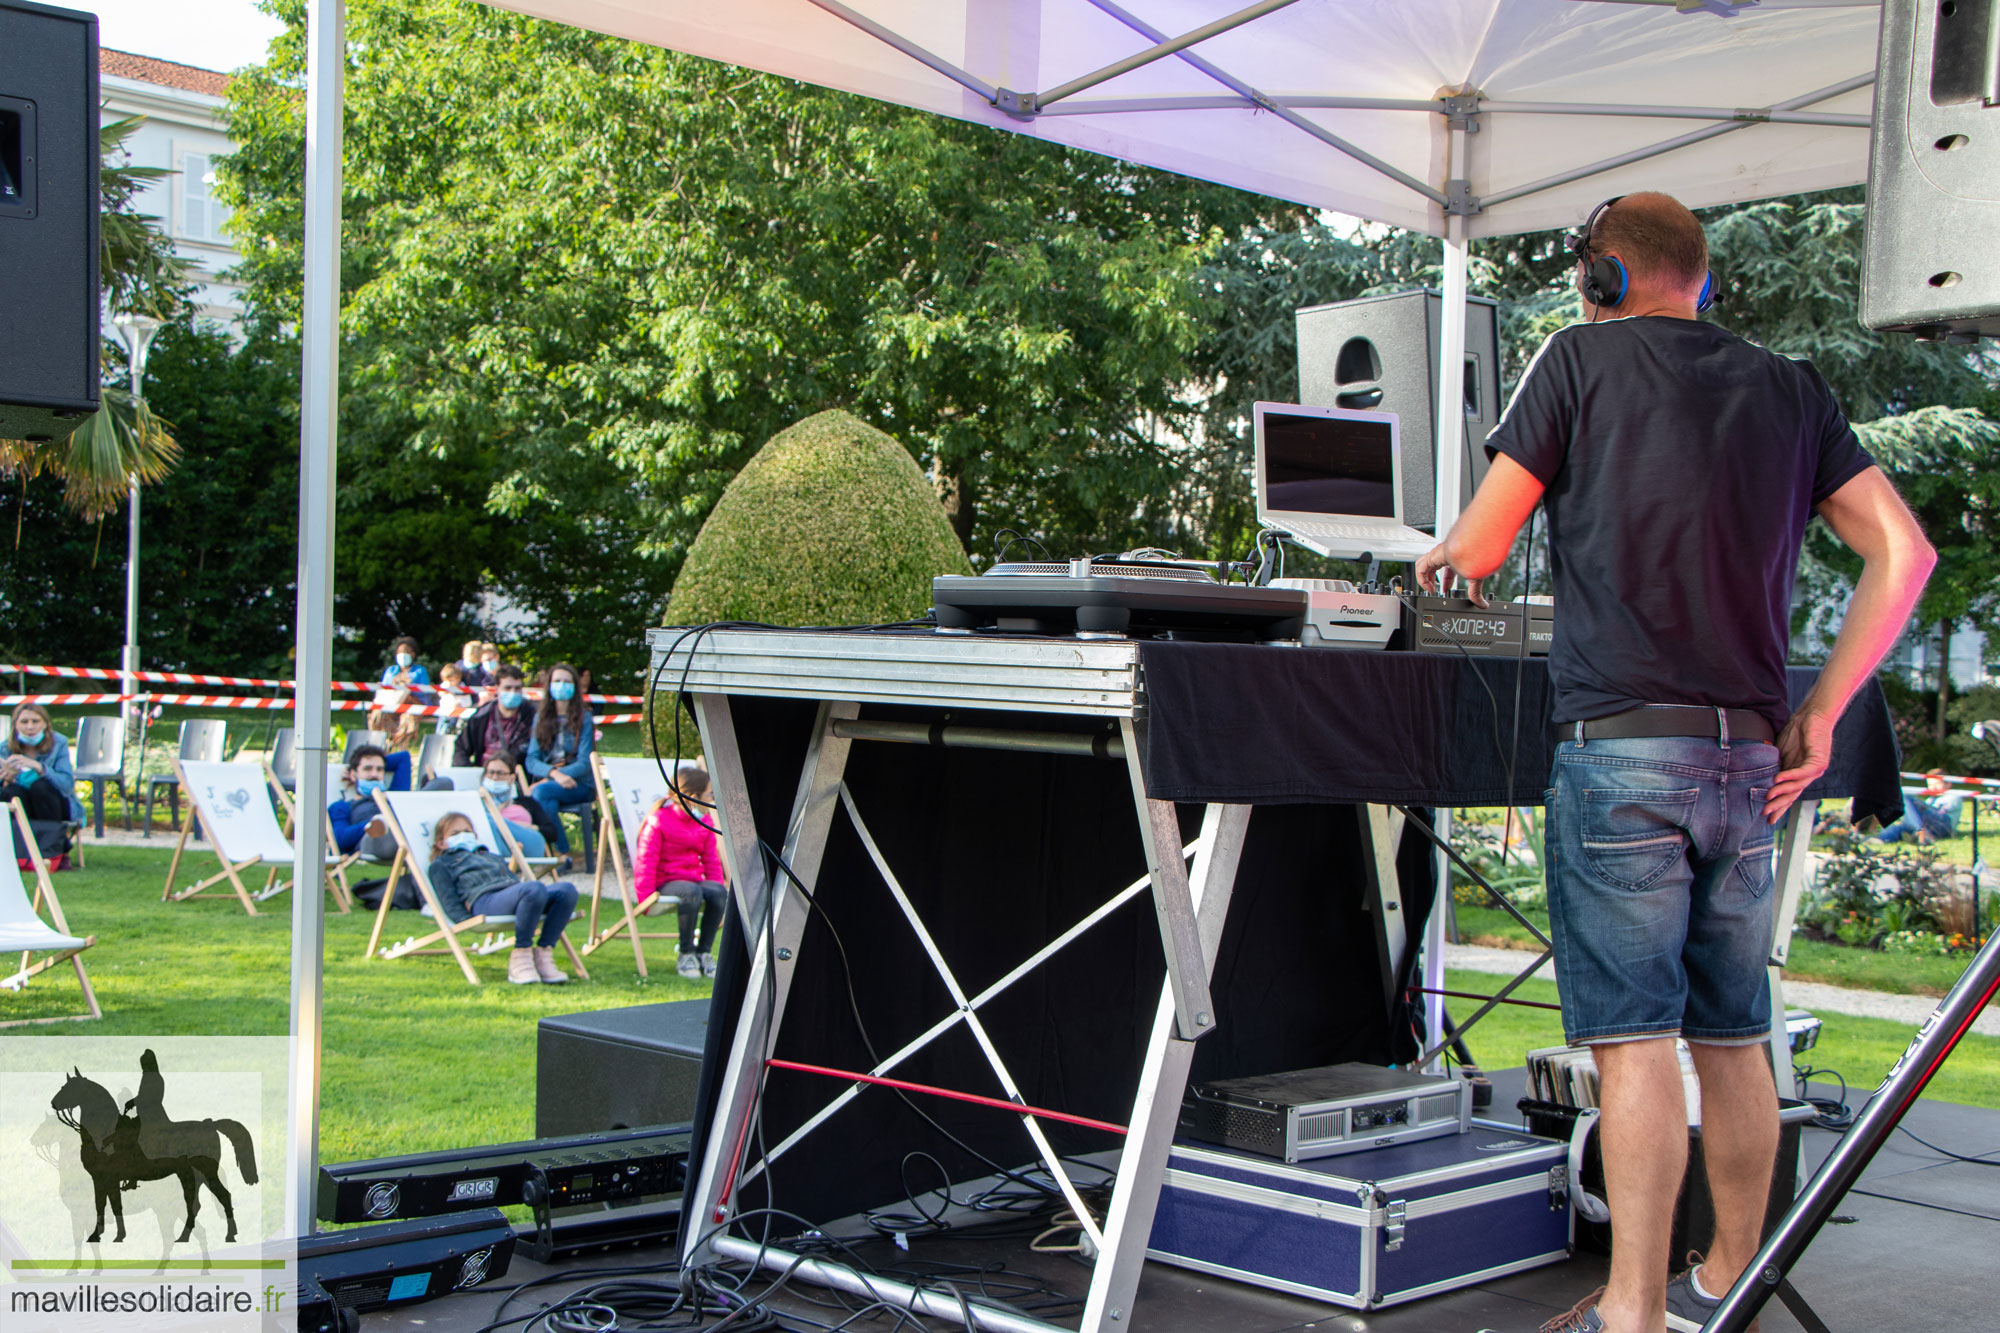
x=831, y=523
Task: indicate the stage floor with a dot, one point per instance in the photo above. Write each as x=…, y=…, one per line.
x=1914, y=1248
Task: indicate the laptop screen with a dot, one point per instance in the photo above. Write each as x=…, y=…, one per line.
x=1328, y=465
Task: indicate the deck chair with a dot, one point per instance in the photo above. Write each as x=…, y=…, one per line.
x=100, y=761
x=463, y=779
x=201, y=742
x=627, y=790
x=337, y=862
x=22, y=928
x=358, y=738
x=232, y=804
x=412, y=816
x=285, y=758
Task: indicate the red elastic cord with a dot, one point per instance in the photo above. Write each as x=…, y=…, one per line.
x=994, y=1102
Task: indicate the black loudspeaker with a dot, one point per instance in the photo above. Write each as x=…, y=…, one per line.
x=48, y=220
x=1380, y=353
x=618, y=1068
x=1932, y=264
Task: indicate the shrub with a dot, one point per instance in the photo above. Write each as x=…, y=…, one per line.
x=1924, y=943
x=831, y=523
x=1867, y=890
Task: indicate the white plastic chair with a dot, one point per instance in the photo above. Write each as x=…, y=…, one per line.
x=22, y=928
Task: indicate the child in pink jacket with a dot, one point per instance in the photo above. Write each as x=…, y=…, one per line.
x=678, y=862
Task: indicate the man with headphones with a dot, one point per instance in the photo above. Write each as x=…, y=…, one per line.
x=1679, y=465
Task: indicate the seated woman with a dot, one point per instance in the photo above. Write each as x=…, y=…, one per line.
x=36, y=770
x=404, y=681
x=533, y=826
x=559, y=750
x=677, y=861
x=471, y=881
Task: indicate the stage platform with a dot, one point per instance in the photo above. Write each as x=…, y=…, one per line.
x=1914, y=1250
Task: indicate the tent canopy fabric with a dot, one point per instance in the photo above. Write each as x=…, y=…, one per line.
x=1340, y=104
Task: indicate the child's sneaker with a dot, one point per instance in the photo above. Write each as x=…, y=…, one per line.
x=708, y=964
x=546, y=969
x=521, y=968
x=690, y=965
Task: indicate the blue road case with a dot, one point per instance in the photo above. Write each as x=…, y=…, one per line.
x=1374, y=1228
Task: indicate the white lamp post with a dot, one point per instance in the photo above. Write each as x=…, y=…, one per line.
x=137, y=333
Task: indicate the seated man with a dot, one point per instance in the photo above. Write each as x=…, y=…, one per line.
x=503, y=726
x=356, y=819
x=1928, y=817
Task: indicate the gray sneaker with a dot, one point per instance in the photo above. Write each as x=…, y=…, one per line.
x=708, y=964
x=1687, y=1309
x=690, y=965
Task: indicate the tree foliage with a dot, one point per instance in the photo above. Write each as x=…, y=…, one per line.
x=586, y=277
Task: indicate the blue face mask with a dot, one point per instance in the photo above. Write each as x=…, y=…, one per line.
x=500, y=790
x=367, y=786
x=510, y=699
x=461, y=842
x=404, y=659
x=562, y=691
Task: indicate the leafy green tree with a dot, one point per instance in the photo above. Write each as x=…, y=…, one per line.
x=586, y=277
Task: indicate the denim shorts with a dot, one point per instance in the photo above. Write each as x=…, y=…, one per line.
x=1660, y=888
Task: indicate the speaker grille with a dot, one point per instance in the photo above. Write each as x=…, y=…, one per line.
x=1326, y=1125
x=1437, y=1106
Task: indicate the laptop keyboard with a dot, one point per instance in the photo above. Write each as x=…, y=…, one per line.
x=1326, y=529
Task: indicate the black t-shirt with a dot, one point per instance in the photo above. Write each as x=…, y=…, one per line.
x=1681, y=465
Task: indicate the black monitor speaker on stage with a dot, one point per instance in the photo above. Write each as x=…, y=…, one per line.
x=1380, y=353
x=48, y=220
x=1933, y=251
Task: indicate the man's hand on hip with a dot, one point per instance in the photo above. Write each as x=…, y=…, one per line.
x=1805, y=748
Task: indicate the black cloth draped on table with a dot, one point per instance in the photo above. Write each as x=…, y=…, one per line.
x=1273, y=725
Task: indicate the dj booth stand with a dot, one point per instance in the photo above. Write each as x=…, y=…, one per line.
x=1057, y=679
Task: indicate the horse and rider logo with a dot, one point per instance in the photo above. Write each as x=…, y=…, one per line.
x=121, y=1148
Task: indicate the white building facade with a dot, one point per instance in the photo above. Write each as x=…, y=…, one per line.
x=184, y=133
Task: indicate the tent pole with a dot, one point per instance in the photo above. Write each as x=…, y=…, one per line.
x=1450, y=420
x=326, y=32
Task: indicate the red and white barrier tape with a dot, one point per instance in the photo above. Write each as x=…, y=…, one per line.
x=1950, y=780
x=282, y=705
x=252, y=682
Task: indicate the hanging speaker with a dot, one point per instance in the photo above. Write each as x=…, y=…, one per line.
x=48, y=220
x=1380, y=354
x=1932, y=263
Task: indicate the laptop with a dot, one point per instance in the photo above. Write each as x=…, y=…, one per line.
x=1333, y=477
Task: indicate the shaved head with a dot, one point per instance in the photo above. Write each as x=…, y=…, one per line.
x=1659, y=240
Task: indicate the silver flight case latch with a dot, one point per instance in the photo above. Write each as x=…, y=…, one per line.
x=1558, y=1187
x=1392, y=1226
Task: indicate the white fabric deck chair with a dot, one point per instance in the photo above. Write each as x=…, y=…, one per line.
x=22, y=928
x=336, y=861
x=627, y=790
x=412, y=817
x=232, y=803
x=463, y=779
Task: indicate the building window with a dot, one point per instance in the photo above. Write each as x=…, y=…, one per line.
x=202, y=214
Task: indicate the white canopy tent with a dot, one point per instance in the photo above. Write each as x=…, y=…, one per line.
x=1457, y=118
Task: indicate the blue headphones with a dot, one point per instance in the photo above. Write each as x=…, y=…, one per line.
x=1605, y=281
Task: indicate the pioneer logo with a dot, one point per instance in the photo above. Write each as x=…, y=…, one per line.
x=1371, y=612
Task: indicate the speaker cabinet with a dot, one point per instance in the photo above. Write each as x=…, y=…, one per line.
x=1932, y=267
x=618, y=1068
x=48, y=220
x=1380, y=353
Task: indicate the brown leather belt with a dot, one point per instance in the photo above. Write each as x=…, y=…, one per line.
x=1666, y=720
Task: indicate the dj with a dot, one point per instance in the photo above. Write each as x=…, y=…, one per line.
x=1679, y=465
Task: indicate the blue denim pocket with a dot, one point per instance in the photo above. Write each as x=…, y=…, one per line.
x=1632, y=836
x=1753, y=862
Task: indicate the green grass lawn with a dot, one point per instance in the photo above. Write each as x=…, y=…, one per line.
x=1810, y=960
x=1860, y=1049
x=414, y=1058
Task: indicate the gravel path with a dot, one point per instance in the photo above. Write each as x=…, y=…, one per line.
x=1820, y=999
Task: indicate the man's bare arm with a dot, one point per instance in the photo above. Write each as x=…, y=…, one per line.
x=1484, y=533
x=1896, y=558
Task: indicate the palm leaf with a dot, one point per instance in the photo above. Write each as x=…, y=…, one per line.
x=100, y=457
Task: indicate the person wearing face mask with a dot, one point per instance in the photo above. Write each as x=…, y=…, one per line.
x=559, y=750
x=534, y=828
x=356, y=818
x=36, y=771
x=471, y=881
x=502, y=726
x=404, y=680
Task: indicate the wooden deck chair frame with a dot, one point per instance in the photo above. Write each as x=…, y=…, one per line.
x=231, y=870
x=337, y=861
x=45, y=891
x=611, y=845
x=450, y=933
